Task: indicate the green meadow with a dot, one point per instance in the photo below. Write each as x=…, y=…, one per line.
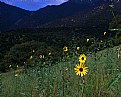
x=103, y=78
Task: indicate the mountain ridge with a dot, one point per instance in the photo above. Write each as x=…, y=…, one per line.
x=10, y=14
x=51, y=15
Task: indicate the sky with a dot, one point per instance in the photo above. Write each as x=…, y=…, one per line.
x=33, y=5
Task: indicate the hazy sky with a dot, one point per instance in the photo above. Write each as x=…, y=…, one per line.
x=33, y=4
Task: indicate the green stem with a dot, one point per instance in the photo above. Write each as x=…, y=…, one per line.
x=78, y=86
x=82, y=87
x=0, y=84
x=63, y=81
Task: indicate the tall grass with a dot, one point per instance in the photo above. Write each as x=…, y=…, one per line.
x=103, y=78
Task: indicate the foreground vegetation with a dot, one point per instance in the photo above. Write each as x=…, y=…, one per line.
x=60, y=80
x=42, y=62
x=16, y=46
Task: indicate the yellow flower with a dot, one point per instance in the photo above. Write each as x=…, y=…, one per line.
x=78, y=48
x=16, y=75
x=41, y=56
x=17, y=66
x=104, y=33
x=65, y=49
x=30, y=57
x=81, y=70
x=101, y=41
x=33, y=51
x=66, y=68
x=82, y=58
x=49, y=54
x=17, y=71
x=87, y=39
x=44, y=62
x=10, y=66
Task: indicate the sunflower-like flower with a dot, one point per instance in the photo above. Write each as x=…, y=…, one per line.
x=82, y=58
x=49, y=53
x=104, y=33
x=16, y=75
x=17, y=71
x=81, y=70
x=9, y=66
x=30, y=57
x=66, y=68
x=87, y=39
x=17, y=66
x=65, y=49
x=78, y=48
x=41, y=56
x=101, y=41
x=33, y=51
x=44, y=63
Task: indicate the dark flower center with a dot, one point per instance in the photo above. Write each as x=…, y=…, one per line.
x=81, y=69
x=82, y=58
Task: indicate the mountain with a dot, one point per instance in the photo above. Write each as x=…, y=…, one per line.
x=74, y=13
x=53, y=13
x=98, y=16
x=10, y=15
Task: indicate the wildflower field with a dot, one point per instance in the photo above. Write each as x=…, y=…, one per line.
x=96, y=74
x=68, y=50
